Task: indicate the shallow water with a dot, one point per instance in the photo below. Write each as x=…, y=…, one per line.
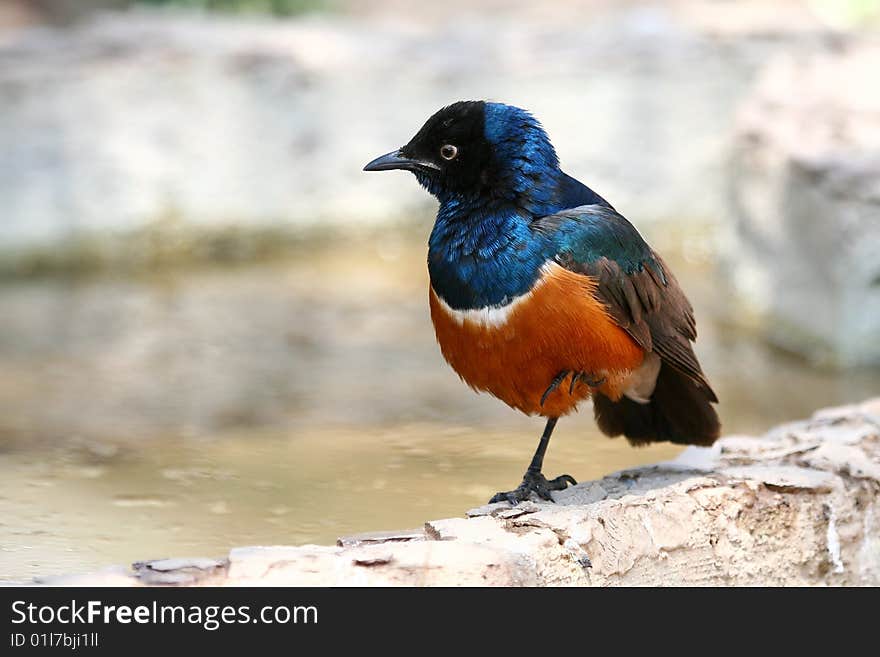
x=290, y=402
x=74, y=511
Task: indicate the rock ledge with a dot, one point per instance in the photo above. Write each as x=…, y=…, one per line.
x=797, y=506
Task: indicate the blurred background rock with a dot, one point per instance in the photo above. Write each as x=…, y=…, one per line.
x=804, y=256
x=208, y=312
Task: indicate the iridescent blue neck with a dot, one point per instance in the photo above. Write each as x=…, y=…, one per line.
x=483, y=251
x=479, y=259
x=526, y=168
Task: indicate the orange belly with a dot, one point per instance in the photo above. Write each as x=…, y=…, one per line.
x=515, y=353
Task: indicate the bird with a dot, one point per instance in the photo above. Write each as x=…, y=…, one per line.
x=545, y=296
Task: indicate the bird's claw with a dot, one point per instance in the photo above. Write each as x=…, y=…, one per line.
x=559, y=378
x=587, y=377
x=534, y=482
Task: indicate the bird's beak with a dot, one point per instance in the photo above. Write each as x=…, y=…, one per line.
x=394, y=160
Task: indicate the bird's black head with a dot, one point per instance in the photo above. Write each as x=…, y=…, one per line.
x=476, y=150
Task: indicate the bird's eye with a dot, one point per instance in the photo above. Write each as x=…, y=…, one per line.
x=448, y=152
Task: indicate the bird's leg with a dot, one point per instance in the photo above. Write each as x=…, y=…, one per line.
x=553, y=385
x=534, y=480
x=590, y=379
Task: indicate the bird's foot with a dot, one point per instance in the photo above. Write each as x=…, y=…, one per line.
x=534, y=482
x=587, y=377
x=559, y=378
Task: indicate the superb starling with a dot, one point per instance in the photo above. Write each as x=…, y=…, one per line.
x=543, y=294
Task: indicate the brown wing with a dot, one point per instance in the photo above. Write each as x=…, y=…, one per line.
x=650, y=305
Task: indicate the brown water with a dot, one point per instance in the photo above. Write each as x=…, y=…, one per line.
x=289, y=402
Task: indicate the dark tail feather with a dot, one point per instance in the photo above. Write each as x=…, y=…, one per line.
x=680, y=411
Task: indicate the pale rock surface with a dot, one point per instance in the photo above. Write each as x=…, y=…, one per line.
x=804, y=251
x=797, y=506
x=176, y=123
